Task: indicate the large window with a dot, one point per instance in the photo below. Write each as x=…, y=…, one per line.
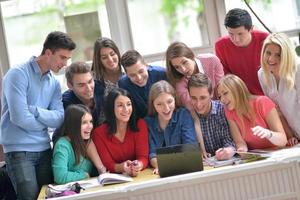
x=148, y=26
x=27, y=23
x=278, y=15
x=157, y=23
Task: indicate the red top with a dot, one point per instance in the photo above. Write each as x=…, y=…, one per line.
x=262, y=106
x=112, y=151
x=242, y=61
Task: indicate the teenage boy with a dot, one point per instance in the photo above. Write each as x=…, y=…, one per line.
x=239, y=52
x=214, y=126
x=31, y=102
x=83, y=89
x=138, y=80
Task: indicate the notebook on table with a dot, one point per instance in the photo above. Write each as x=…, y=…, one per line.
x=179, y=159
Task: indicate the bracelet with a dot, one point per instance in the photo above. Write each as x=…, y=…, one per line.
x=270, y=134
x=103, y=168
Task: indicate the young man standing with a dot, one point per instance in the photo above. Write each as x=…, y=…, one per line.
x=214, y=126
x=31, y=102
x=139, y=79
x=239, y=52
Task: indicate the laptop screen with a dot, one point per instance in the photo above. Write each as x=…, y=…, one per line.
x=179, y=159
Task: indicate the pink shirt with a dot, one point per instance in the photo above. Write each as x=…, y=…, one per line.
x=242, y=61
x=262, y=106
x=112, y=151
x=208, y=64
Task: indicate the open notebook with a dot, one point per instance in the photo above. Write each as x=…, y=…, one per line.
x=111, y=178
x=102, y=179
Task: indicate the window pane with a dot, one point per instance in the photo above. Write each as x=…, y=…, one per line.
x=156, y=23
x=278, y=15
x=27, y=23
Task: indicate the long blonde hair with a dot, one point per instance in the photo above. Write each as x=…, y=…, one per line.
x=241, y=96
x=158, y=88
x=288, y=58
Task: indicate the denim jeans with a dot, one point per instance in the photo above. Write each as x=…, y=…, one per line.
x=29, y=171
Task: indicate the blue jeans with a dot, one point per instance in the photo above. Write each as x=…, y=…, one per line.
x=29, y=171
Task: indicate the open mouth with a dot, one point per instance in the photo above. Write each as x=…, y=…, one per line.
x=87, y=133
x=167, y=113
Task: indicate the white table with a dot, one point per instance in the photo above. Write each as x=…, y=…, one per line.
x=277, y=177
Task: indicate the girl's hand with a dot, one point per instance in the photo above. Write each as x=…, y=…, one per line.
x=262, y=132
x=136, y=167
x=205, y=155
x=127, y=167
x=155, y=171
x=102, y=170
x=240, y=151
x=87, y=175
x=292, y=141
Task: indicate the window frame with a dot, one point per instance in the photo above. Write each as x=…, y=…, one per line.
x=121, y=33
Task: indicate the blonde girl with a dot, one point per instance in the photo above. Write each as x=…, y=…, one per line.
x=253, y=120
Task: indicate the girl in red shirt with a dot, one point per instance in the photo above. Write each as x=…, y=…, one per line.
x=122, y=142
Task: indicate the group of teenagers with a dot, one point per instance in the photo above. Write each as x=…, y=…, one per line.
x=119, y=110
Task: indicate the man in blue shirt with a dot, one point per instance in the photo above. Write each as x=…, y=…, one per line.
x=31, y=102
x=139, y=79
x=214, y=126
x=83, y=89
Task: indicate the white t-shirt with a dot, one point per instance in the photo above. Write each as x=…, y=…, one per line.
x=288, y=100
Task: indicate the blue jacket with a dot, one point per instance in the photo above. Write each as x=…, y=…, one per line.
x=180, y=130
x=140, y=94
x=70, y=98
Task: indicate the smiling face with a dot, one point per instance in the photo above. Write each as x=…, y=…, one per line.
x=123, y=108
x=109, y=59
x=184, y=66
x=86, y=126
x=164, y=105
x=226, y=97
x=200, y=99
x=272, y=57
x=83, y=86
x=58, y=59
x=137, y=73
x=240, y=36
